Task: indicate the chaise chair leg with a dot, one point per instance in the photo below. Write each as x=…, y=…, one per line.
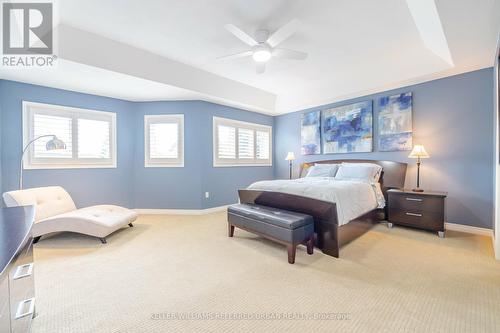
x=103, y=240
x=230, y=230
x=36, y=239
x=310, y=245
x=130, y=225
x=291, y=248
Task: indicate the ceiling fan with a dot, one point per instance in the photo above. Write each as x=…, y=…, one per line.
x=264, y=45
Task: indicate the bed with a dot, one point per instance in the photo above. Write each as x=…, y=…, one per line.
x=336, y=221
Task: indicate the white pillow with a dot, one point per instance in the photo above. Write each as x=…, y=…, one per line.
x=377, y=169
x=359, y=171
x=322, y=170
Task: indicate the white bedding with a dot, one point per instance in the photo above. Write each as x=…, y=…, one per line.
x=353, y=198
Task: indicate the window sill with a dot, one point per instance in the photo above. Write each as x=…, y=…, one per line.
x=241, y=165
x=164, y=165
x=70, y=166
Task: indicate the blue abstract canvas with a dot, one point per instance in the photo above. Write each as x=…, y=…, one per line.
x=348, y=128
x=310, y=133
x=395, y=122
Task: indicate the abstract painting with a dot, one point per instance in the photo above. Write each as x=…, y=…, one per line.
x=310, y=133
x=348, y=128
x=395, y=122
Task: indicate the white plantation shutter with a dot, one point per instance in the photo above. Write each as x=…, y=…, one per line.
x=47, y=125
x=240, y=143
x=245, y=143
x=226, y=147
x=263, y=143
x=89, y=137
x=164, y=140
x=93, y=139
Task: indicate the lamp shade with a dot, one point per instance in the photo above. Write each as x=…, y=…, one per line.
x=418, y=152
x=290, y=156
x=55, y=143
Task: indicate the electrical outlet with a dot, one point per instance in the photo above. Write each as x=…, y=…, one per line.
x=207, y=195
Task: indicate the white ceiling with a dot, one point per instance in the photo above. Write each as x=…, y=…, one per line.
x=355, y=47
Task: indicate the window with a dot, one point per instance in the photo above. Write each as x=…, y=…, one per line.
x=164, y=140
x=238, y=143
x=90, y=137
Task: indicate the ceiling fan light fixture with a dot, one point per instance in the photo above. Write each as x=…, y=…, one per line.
x=263, y=46
x=262, y=55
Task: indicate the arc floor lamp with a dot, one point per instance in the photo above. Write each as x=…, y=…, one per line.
x=52, y=144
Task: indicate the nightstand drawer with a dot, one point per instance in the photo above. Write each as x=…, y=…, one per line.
x=425, y=220
x=416, y=203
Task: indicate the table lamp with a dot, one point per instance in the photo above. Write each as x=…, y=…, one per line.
x=290, y=157
x=418, y=152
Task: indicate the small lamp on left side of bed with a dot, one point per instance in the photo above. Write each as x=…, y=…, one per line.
x=290, y=157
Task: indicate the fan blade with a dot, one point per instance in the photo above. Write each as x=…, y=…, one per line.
x=289, y=54
x=261, y=67
x=283, y=33
x=240, y=34
x=236, y=55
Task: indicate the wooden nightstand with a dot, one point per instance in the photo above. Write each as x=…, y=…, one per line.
x=424, y=210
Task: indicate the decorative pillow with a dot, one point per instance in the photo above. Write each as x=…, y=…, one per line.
x=322, y=170
x=359, y=171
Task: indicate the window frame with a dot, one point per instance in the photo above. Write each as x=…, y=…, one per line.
x=32, y=163
x=164, y=162
x=237, y=162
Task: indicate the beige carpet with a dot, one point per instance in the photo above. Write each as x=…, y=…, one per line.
x=147, y=277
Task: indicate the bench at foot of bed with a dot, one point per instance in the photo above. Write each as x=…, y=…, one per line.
x=285, y=227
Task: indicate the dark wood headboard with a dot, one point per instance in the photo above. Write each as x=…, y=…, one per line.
x=393, y=173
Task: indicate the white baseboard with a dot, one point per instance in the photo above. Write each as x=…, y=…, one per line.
x=469, y=229
x=181, y=211
x=448, y=226
x=496, y=246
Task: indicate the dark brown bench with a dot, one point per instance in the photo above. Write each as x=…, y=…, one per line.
x=281, y=226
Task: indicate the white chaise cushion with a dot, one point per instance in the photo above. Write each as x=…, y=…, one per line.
x=55, y=211
x=98, y=221
x=49, y=201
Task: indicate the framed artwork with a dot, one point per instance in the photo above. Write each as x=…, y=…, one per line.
x=395, y=122
x=310, y=133
x=348, y=128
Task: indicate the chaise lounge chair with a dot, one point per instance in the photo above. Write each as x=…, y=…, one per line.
x=56, y=212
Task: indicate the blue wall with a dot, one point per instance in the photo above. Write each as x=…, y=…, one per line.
x=184, y=188
x=222, y=182
x=131, y=184
x=496, y=150
x=87, y=186
x=168, y=187
x=1, y=122
x=452, y=118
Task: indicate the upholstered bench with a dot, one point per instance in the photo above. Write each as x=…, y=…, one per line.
x=285, y=227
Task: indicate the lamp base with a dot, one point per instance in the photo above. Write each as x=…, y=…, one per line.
x=418, y=189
